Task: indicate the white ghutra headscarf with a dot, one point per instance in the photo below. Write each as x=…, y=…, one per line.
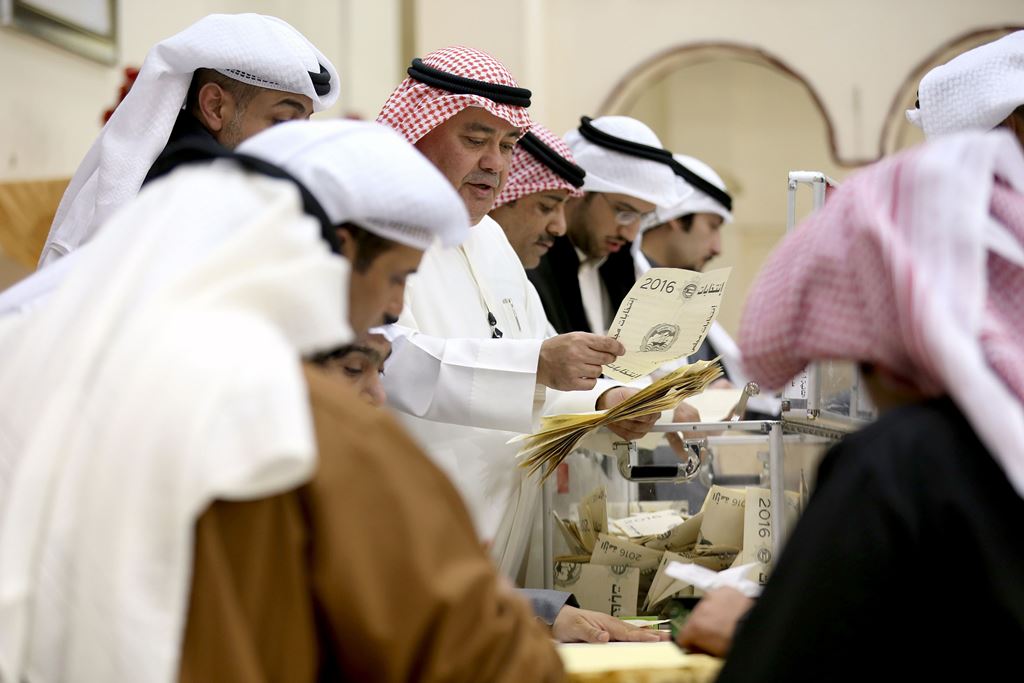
x=367, y=174
x=163, y=374
x=609, y=170
x=695, y=199
x=254, y=49
x=973, y=91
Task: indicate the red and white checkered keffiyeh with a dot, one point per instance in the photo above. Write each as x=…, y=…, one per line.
x=915, y=264
x=529, y=175
x=414, y=108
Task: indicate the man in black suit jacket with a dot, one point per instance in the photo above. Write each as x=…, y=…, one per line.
x=587, y=272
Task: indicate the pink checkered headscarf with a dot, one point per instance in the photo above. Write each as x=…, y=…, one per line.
x=915, y=264
x=529, y=175
x=415, y=108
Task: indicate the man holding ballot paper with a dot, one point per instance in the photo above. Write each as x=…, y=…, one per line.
x=589, y=273
x=475, y=363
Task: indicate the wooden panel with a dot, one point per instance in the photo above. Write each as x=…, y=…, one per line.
x=26, y=211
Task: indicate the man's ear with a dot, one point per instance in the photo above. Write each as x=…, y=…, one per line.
x=347, y=243
x=216, y=107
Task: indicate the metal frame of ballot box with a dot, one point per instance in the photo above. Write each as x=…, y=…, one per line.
x=804, y=415
x=775, y=432
x=804, y=392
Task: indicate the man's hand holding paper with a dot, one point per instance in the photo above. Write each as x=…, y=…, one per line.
x=560, y=434
x=573, y=361
x=626, y=429
x=665, y=316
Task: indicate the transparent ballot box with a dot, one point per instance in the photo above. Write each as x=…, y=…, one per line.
x=720, y=494
x=622, y=517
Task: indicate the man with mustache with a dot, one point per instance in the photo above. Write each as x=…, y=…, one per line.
x=687, y=234
x=531, y=207
x=478, y=366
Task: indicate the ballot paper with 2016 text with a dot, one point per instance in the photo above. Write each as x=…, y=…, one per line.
x=665, y=316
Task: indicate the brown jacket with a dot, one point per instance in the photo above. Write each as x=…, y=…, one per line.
x=370, y=572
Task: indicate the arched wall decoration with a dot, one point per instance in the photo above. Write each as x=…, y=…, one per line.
x=895, y=116
x=624, y=93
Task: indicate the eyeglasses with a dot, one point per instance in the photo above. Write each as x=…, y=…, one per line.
x=624, y=217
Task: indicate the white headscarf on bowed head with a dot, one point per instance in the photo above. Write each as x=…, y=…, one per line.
x=612, y=171
x=162, y=375
x=251, y=48
x=367, y=174
x=973, y=91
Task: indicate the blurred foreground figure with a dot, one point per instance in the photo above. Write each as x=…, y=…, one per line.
x=914, y=269
x=179, y=430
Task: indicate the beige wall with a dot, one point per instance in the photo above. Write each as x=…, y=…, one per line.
x=53, y=100
x=572, y=53
x=579, y=57
x=753, y=124
x=854, y=54
x=754, y=108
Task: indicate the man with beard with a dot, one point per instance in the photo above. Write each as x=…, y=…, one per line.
x=584, y=277
x=477, y=366
x=531, y=206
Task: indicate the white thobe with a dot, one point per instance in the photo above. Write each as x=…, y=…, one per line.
x=466, y=394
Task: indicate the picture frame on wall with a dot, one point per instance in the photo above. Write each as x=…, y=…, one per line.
x=85, y=27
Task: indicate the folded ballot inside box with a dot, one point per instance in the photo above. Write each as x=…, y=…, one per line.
x=621, y=566
x=737, y=578
x=603, y=588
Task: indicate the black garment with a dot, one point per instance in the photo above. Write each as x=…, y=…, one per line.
x=187, y=132
x=558, y=283
x=863, y=590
